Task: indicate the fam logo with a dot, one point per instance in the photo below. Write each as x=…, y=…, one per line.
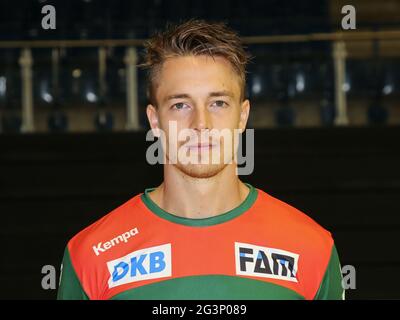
x=265, y=262
x=144, y=264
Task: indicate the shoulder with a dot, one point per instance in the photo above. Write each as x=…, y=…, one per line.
x=290, y=229
x=91, y=248
x=119, y=224
x=293, y=225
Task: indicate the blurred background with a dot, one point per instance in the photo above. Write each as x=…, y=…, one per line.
x=325, y=106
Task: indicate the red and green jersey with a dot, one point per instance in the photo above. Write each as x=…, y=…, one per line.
x=262, y=249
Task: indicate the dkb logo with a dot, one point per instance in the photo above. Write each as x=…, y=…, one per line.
x=149, y=263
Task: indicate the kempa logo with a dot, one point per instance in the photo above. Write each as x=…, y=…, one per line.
x=265, y=262
x=103, y=247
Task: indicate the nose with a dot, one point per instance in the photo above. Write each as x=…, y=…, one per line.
x=201, y=119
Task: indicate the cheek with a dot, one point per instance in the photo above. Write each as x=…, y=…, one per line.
x=174, y=130
x=229, y=119
x=173, y=125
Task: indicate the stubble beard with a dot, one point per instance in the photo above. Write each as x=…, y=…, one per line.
x=204, y=170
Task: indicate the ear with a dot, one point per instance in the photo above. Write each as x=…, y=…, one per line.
x=152, y=116
x=244, y=115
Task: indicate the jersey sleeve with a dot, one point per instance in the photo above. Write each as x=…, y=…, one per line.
x=70, y=287
x=331, y=286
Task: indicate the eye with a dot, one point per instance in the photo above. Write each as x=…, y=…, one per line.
x=180, y=106
x=219, y=104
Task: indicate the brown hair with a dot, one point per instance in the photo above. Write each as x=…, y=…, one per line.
x=193, y=37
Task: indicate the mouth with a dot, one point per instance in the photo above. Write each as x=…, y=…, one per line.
x=201, y=146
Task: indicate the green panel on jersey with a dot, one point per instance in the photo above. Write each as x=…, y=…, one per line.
x=242, y=208
x=213, y=287
x=331, y=286
x=70, y=287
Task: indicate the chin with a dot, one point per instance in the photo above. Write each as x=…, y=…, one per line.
x=201, y=171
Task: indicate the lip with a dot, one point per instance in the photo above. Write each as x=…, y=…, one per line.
x=201, y=146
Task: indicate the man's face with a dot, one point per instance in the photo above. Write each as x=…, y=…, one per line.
x=202, y=94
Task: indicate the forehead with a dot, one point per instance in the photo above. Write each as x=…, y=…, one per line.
x=190, y=74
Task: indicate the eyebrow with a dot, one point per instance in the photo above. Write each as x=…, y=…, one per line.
x=223, y=93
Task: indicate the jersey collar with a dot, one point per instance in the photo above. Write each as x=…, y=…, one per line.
x=218, y=219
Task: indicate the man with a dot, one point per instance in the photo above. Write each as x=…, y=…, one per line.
x=202, y=233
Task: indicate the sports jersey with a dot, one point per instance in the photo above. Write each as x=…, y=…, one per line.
x=262, y=249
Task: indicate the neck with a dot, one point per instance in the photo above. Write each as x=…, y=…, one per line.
x=198, y=198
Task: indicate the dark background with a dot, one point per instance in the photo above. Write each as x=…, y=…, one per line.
x=347, y=179
x=55, y=182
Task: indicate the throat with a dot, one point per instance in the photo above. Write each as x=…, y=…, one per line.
x=199, y=204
